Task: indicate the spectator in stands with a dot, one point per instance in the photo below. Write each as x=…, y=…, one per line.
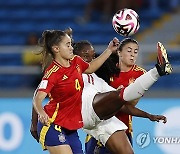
x=107, y=8
x=97, y=6
x=30, y=57
x=155, y=6
x=32, y=39
x=175, y=5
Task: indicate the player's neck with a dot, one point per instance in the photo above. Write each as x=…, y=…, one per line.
x=63, y=62
x=125, y=68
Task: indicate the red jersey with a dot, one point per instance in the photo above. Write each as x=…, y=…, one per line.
x=126, y=78
x=64, y=87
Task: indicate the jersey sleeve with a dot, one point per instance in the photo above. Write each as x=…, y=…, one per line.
x=84, y=65
x=47, y=84
x=104, y=86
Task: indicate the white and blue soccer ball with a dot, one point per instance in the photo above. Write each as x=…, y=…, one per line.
x=126, y=22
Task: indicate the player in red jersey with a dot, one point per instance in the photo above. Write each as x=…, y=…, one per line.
x=62, y=82
x=120, y=70
x=129, y=71
x=102, y=108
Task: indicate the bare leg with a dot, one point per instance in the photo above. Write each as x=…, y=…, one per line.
x=118, y=143
x=107, y=104
x=60, y=149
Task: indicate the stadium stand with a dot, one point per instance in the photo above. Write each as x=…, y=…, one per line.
x=19, y=18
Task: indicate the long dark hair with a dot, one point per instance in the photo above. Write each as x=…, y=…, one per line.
x=109, y=68
x=79, y=46
x=48, y=39
x=111, y=65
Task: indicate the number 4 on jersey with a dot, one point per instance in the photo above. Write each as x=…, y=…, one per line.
x=77, y=85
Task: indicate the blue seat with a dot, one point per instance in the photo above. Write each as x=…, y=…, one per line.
x=24, y=27
x=12, y=3
x=12, y=39
x=23, y=14
x=11, y=81
x=5, y=27
x=3, y=13
x=12, y=59
x=37, y=16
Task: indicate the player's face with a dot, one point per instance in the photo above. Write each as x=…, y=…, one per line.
x=88, y=53
x=129, y=54
x=65, y=49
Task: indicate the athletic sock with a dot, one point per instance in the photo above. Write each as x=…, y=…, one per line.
x=143, y=83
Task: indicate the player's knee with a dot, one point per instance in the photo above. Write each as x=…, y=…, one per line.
x=122, y=151
x=129, y=151
x=125, y=151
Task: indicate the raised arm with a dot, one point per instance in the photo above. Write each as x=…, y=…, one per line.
x=97, y=62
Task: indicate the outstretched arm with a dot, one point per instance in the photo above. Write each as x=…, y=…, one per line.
x=134, y=111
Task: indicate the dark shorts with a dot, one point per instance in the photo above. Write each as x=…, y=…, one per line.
x=55, y=135
x=93, y=146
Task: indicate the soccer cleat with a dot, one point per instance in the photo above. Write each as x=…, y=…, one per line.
x=163, y=66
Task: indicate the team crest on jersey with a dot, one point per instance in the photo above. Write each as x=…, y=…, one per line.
x=62, y=138
x=78, y=69
x=131, y=80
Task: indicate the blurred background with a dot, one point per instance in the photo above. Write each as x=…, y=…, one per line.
x=22, y=23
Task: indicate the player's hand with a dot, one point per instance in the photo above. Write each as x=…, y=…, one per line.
x=44, y=118
x=158, y=118
x=33, y=130
x=114, y=45
x=120, y=87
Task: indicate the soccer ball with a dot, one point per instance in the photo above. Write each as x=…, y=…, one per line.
x=126, y=22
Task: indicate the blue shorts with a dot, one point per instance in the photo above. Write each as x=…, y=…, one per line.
x=54, y=135
x=93, y=146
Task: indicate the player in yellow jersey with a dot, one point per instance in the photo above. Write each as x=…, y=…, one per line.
x=62, y=82
x=129, y=71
